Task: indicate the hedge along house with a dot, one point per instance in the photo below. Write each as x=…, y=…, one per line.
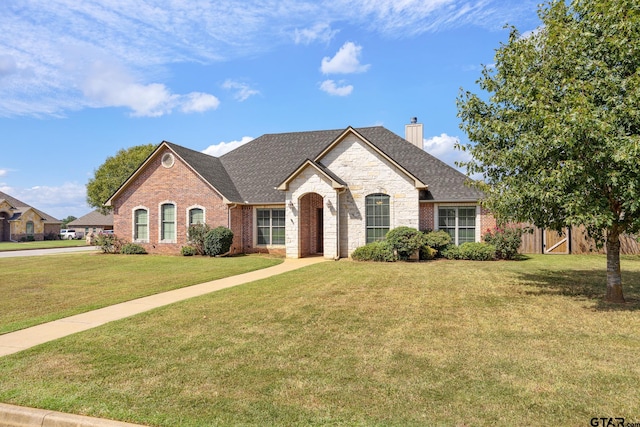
x=20, y=222
x=300, y=194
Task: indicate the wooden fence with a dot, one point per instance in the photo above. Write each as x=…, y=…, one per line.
x=542, y=241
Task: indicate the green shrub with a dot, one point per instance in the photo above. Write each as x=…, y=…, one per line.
x=109, y=243
x=438, y=240
x=132, y=249
x=405, y=241
x=218, y=241
x=197, y=234
x=474, y=251
x=52, y=236
x=188, y=251
x=427, y=253
x=376, y=251
x=506, y=241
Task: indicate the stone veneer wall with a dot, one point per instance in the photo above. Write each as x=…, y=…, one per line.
x=156, y=185
x=367, y=172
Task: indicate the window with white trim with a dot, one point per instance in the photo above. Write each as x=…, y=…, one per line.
x=168, y=222
x=377, y=216
x=30, y=228
x=141, y=225
x=270, y=225
x=196, y=216
x=459, y=222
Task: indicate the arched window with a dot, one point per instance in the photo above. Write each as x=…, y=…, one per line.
x=141, y=225
x=196, y=216
x=30, y=228
x=168, y=222
x=377, y=216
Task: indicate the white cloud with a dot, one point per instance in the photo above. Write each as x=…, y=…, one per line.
x=345, y=61
x=41, y=39
x=60, y=202
x=332, y=88
x=197, y=102
x=3, y=172
x=221, y=148
x=109, y=85
x=318, y=32
x=243, y=90
x=443, y=147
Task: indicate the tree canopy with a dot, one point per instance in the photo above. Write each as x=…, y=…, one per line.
x=113, y=173
x=557, y=138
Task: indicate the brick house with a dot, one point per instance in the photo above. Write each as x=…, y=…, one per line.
x=302, y=193
x=19, y=221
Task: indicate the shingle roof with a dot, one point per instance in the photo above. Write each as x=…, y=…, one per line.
x=251, y=173
x=22, y=207
x=211, y=169
x=94, y=218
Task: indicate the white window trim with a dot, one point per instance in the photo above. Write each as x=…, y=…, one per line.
x=204, y=214
x=436, y=226
x=255, y=227
x=133, y=224
x=391, y=211
x=175, y=222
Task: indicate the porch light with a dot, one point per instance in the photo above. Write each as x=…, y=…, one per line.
x=291, y=206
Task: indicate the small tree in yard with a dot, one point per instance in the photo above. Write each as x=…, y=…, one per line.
x=558, y=138
x=197, y=235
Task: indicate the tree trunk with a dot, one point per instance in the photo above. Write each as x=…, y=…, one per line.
x=614, y=277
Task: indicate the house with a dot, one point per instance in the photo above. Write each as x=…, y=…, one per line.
x=299, y=194
x=21, y=222
x=92, y=223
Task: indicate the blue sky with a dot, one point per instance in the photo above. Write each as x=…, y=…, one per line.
x=80, y=80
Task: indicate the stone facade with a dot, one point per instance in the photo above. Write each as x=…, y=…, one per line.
x=366, y=172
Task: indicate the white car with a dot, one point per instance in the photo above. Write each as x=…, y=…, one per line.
x=67, y=234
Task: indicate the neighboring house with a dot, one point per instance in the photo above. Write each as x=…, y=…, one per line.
x=300, y=194
x=20, y=222
x=92, y=223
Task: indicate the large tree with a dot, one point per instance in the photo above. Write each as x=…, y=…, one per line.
x=556, y=135
x=113, y=173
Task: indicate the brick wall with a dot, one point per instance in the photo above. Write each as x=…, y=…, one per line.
x=156, y=185
x=426, y=217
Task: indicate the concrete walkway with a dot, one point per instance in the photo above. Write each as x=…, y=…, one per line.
x=18, y=416
x=20, y=340
x=53, y=251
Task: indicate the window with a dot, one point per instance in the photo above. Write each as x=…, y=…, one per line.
x=270, y=226
x=168, y=222
x=141, y=225
x=459, y=222
x=196, y=216
x=29, y=228
x=377, y=208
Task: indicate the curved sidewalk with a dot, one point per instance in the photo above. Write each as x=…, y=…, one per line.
x=14, y=342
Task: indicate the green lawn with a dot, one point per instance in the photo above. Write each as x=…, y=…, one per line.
x=44, y=244
x=40, y=289
x=342, y=343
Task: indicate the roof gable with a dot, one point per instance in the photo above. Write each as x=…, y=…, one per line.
x=19, y=207
x=205, y=166
x=335, y=180
x=351, y=131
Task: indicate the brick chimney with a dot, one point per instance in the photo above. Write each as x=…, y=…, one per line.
x=414, y=133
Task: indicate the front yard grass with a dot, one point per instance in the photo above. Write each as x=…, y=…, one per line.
x=40, y=289
x=342, y=343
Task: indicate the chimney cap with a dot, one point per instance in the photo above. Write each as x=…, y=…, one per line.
x=414, y=120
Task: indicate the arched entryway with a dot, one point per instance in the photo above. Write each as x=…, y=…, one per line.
x=311, y=229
